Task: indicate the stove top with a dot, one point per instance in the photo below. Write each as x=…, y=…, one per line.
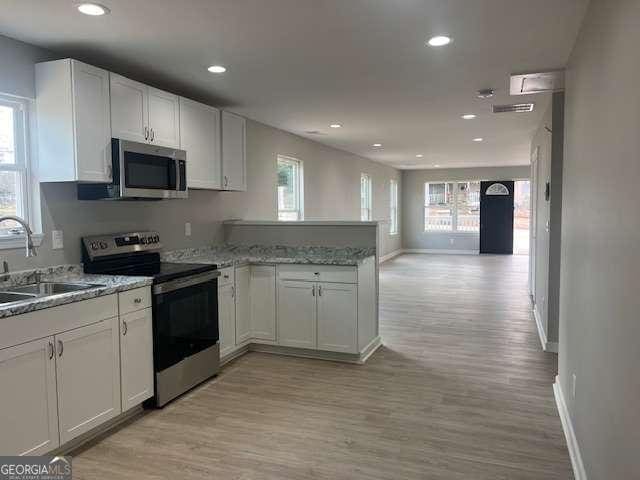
x=134, y=254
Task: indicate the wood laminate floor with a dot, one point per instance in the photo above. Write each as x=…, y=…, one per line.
x=460, y=390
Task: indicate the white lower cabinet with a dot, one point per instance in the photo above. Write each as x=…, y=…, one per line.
x=243, y=305
x=297, y=314
x=28, y=404
x=136, y=357
x=226, y=319
x=263, y=302
x=337, y=317
x=88, y=377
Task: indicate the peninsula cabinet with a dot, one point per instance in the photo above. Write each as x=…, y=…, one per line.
x=141, y=113
x=234, y=163
x=74, y=122
x=200, y=138
x=297, y=314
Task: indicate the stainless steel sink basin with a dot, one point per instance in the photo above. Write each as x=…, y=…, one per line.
x=50, y=288
x=8, y=297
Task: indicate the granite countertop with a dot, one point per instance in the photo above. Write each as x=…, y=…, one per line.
x=229, y=255
x=104, y=285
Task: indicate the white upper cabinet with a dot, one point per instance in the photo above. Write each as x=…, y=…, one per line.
x=164, y=118
x=144, y=114
x=200, y=138
x=234, y=164
x=74, y=126
x=29, y=419
x=129, y=106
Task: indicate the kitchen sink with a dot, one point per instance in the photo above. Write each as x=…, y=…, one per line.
x=8, y=297
x=50, y=288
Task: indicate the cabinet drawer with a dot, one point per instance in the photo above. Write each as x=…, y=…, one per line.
x=227, y=276
x=318, y=273
x=133, y=300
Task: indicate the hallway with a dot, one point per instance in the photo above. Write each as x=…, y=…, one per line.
x=460, y=390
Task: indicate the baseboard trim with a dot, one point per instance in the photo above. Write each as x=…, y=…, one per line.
x=391, y=255
x=441, y=251
x=569, y=433
x=547, y=346
x=233, y=355
x=370, y=349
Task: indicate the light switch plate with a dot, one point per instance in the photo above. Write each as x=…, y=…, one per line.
x=57, y=240
x=187, y=229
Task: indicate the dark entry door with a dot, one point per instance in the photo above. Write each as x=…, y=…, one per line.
x=496, y=217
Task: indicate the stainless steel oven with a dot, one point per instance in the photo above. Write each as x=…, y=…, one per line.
x=141, y=171
x=185, y=343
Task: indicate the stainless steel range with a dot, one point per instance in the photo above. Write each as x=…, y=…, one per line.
x=185, y=307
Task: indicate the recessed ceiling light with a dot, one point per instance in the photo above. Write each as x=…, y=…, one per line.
x=436, y=166
x=479, y=139
x=419, y=155
x=217, y=69
x=335, y=125
x=377, y=145
x=469, y=116
x=93, y=9
x=439, y=41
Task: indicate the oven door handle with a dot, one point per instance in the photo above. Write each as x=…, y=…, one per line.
x=185, y=282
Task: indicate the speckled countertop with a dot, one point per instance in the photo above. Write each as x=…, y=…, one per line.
x=228, y=255
x=103, y=285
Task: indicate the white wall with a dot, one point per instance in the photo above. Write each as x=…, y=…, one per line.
x=599, y=300
x=413, y=234
x=332, y=187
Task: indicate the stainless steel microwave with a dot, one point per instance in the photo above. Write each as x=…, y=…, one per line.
x=141, y=171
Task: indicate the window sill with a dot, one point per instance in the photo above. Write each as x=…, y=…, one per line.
x=394, y=234
x=450, y=232
x=14, y=242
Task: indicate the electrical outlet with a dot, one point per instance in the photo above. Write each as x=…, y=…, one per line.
x=57, y=240
x=187, y=229
x=573, y=387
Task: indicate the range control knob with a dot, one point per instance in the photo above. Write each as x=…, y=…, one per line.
x=94, y=246
x=143, y=240
x=103, y=245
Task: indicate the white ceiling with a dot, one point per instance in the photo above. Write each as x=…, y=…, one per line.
x=301, y=65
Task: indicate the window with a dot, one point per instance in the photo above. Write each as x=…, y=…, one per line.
x=13, y=164
x=452, y=207
x=393, y=207
x=365, y=197
x=290, y=189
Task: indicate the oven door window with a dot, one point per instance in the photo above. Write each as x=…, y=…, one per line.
x=149, y=171
x=185, y=322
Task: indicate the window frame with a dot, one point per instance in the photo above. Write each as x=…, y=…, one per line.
x=454, y=208
x=368, y=198
x=299, y=188
x=27, y=204
x=394, y=225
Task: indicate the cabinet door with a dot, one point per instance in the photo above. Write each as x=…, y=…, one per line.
x=226, y=319
x=200, y=138
x=164, y=118
x=88, y=376
x=297, y=314
x=129, y=110
x=263, y=302
x=136, y=358
x=28, y=408
x=337, y=317
x=233, y=152
x=243, y=306
x=92, y=122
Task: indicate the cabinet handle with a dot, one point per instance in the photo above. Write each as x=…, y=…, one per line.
x=226, y=276
x=316, y=273
x=313, y=291
x=146, y=133
x=233, y=291
x=60, y=348
x=319, y=290
x=153, y=135
x=50, y=350
x=125, y=328
x=137, y=300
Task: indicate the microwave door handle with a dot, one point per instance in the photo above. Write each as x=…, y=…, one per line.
x=178, y=185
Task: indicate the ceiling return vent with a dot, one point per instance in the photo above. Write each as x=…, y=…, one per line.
x=513, y=108
x=540, y=82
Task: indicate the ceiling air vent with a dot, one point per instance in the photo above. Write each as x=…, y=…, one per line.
x=514, y=108
x=541, y=82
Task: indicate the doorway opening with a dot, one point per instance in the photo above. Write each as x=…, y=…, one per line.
x=521, y=217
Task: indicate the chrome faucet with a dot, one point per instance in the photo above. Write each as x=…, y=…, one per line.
x=31, y=250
